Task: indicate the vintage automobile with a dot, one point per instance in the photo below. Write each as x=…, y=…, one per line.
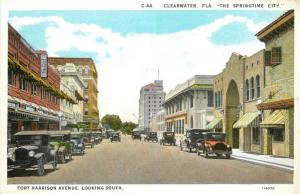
x=191, y=138
x=98, y=137
x=89, y=139
x=214, y=143
x=61, y=141
x=151, y=137
x=32, y=149
x=168, y=138
x=77, y=143
x=115, y=136
x=136, y=135
x=108, y=133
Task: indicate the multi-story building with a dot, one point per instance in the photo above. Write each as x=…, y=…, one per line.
x=151, y=98
x=237, y=91
x=277, y=102
x=189, y=105
x=33, y=88
x=71, y=83
x=87, y=69
x=160, y=122
x=254, y=95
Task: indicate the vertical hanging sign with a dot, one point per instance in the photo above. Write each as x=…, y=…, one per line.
x=44, y=65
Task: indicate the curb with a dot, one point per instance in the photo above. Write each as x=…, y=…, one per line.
x=264, y=163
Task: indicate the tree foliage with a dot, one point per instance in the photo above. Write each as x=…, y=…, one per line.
x=112, y=122
x=128, y=127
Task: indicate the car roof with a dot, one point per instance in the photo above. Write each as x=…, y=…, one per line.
x=52, y=133
x=37, y=132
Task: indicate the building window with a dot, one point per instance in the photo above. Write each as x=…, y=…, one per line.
x=247, y=90
x=192, y=122
x=33, y=89
x=252, y=88
x=216, y=100
x=23, y=84
x=210, y=98
x=221, y=98
x=276, y=55
x=86, y=98
x=192, y=102
x=277, y=134
x=256, y=135
x=12, y=77
x=86, y=70
x=257, y=86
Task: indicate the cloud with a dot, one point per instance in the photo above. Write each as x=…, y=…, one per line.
x=126, y=63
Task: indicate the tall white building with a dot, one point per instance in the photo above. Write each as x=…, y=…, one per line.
x=151, y=98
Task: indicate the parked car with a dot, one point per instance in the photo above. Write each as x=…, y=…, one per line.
x=98, y=137
x=89, y=139
x=136, y=135
x=78, y=146
x=115, y=136
x=61, y=141
x=168, y=138
x=32, y=149
x=109, y=133
x=214, y=143
x=191, y=138
x=152, y=136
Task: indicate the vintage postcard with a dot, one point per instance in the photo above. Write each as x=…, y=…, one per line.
x=149, y=97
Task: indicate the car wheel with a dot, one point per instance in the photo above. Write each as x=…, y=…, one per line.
x=70, y=156
x=40, y=164
x=63, y=158
x=55, y=159
x=198, y=152
x=181, y=148
x=218, y=155
x=205, y=153
x=228, y=156
x=190, y=150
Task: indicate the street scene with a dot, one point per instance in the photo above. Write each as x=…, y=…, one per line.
x=105, y=98
x=156, y=164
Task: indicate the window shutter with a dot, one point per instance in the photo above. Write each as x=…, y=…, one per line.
x=276, y=55
x=267, y=58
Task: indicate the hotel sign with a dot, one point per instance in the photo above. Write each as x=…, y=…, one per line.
x=44, y=65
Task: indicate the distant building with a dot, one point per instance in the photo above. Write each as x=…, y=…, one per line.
x=72, y=84
x=189, y=105
x=160, y=122
x=87, y=69
x=151, y=98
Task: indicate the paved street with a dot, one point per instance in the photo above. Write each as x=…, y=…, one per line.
x=142, y=162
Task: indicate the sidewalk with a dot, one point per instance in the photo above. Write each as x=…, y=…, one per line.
x=268, y=160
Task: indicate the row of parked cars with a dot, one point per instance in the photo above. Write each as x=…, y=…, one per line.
x=202, y=141
x=37, y=148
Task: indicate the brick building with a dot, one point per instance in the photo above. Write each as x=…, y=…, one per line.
x=254, y=95
x=87, y=69
x=278, y=100
x=33, y=88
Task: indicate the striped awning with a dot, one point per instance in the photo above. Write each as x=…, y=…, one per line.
x=245, y=120
x=214, y=123
x=276, y=119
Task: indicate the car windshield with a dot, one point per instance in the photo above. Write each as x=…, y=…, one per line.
x=215, y=136
x=29, y=140
x=77, y=139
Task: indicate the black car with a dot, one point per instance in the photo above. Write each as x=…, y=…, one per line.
x=32, y=149
x=136, y=135
x=168, y=138
x=115, y=137
x=152, y=136
x=77, y=143
x=191, y=138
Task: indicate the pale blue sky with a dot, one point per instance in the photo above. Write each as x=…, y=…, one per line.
x=129, y=47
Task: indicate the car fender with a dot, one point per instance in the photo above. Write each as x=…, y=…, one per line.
x=38, y=155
